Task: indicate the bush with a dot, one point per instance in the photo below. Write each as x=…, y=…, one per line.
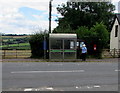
x=36, y=44
x=98, y=35
x=102, y=38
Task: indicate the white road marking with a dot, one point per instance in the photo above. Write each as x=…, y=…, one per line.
x=89, y=87
x=39, y=89
x=96, y=86
x=117, y=70
x=76, y=87
x=28, y=89
x=47, y=71
x=36, y=89
x=49, y=88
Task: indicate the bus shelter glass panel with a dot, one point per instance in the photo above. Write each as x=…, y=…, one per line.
x=56, y=44
x=69, y=44
x=56, y=49
x=69, y=49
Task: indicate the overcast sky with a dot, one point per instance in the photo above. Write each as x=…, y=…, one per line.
x=29, y=16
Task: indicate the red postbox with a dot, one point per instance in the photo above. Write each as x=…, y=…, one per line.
x=94, y=47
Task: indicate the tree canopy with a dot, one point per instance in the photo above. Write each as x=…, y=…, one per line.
x=76, y=14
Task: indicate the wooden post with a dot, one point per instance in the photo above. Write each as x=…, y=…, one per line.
x=114, y=53
x=16, y=53
x=119, y=53
x=4, y=53
x=63, y=50
x=49, y=49
x=75, y=41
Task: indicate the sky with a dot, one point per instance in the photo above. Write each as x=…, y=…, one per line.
x=29, y=16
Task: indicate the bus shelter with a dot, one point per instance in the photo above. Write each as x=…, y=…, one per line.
x=62, y=46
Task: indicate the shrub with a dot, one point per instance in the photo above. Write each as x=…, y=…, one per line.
x=36, y=44
x=98, y=35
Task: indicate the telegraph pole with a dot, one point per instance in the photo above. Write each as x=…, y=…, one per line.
x=50, y=10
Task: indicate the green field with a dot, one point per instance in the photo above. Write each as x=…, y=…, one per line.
x=15, y=42
x=16, y=45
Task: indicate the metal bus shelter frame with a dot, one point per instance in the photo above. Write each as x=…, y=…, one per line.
x=62, y=47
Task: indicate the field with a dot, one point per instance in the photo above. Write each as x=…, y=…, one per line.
x=15, y=42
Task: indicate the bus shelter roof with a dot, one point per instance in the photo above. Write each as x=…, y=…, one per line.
x=65, y=36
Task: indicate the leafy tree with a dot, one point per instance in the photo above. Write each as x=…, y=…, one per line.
x=102, y=37
x=102, y=34
x=65, y=28
x=76, y=14
x=84, y=33
x=98, y=34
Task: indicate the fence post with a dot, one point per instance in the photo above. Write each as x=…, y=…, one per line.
x=114, y=53
x=118, y=53
x=4, y=53
x=16, y=53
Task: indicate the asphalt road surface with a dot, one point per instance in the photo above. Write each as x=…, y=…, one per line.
x=60, y=76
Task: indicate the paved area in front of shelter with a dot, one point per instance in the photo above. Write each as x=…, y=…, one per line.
x=77, y=60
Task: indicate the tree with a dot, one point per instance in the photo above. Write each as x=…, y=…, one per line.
x=64, y=28
x=102, y=34
x=98, y=34
x=77, y=14
x=101, y=39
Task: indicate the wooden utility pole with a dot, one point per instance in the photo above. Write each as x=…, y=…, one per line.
x=50, y=10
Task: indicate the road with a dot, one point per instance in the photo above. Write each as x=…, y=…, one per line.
x=60, y=76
